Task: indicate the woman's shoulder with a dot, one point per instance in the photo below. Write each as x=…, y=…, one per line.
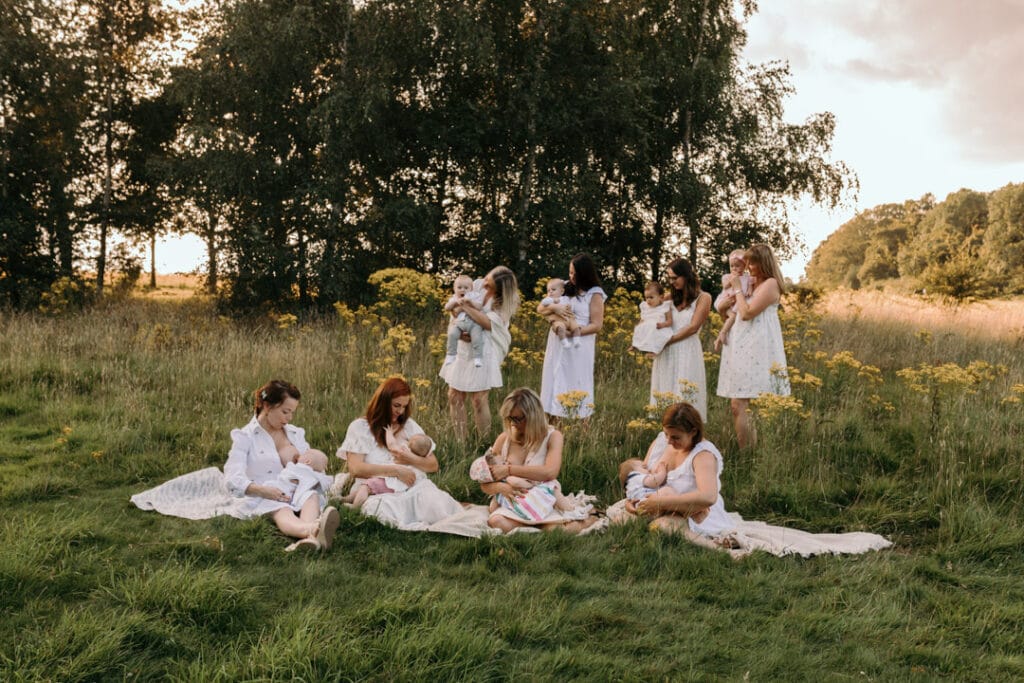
x=246, y=432
x=706, y=446
x=594, y=291
x=358, y=427
x=412, y=428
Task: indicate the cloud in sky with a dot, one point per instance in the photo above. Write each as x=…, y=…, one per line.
x=970, y=55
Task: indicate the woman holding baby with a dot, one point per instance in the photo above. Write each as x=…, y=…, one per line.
x=274, y=469
x=570, y=367
x=469, y=379
x=523, y=467
x=389, y=456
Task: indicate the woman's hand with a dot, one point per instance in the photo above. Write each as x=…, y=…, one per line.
x=403, y=456
x=273, y=493
x=649, y=506
x=407, y=475
x=512, y=491
x=499, y=472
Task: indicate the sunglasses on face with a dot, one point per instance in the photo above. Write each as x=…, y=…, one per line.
x=517, y=419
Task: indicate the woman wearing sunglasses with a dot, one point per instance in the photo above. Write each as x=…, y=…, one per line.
x=530, y=449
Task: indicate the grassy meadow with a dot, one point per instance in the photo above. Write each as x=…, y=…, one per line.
x=905, y=426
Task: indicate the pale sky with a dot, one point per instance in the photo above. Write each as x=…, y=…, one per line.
x=927, y=96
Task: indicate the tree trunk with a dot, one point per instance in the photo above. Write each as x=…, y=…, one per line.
x=211, y=251
x=108, y=162
x=152, y=260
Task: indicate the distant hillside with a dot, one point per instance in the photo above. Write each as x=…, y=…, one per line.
x=970, y=244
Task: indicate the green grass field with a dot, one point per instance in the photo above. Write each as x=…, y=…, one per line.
x=912, y=434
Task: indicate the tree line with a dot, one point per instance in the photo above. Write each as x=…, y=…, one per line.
x=310, y=144
x=969, y=245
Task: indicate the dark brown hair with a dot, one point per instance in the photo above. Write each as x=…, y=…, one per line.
x=685, y=418
x=586, y=275
x=273, y=394
x=378, y=411
x=691, y=287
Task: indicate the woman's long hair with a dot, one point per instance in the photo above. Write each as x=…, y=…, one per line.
x=691, y=287
x=506, y=292
x=378, y=411
x=273, y=394
x=586, y=275
x=761, y=255
x=535, y=428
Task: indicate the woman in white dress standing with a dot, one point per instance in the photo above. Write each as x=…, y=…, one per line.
x=572, y=369
x=365, y=448
x=464, y=378
x=754, y=359
x=679, y=368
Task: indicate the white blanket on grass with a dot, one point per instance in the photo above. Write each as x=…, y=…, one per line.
x=747, y=536
x=196, y=495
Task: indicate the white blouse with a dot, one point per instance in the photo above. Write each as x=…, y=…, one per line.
x=253, y=458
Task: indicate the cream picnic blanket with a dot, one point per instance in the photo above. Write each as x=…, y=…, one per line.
x=747, y=536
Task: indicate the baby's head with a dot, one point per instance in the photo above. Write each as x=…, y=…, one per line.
x=737, y=261
x=653, y=292
x=463, y=285
x=316, y=460
x=556, y=287
x=628, y=467
x=421, y=445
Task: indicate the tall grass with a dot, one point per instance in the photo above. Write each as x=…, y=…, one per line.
x=98, y=405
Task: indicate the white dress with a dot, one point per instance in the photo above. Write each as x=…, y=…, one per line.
x=253, y=459
x=508, y=508
x=463, y=375
x=647, y=336
x=683, y=360
x=571, y=369
x=683, y=480
x=416, y=508
x=754, y=347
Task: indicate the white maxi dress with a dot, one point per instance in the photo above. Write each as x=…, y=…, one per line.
x=682, y=362
x=754, y=359
x=571, y=369
x=414, y=509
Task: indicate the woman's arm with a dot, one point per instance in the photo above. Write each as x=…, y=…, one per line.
x=478, y=316
x=596, y=316
x=705, y=470
x=549, y=470
x=764, y=295
x=426, y=463
x=359, y=468
x=553, y=309
x=700, y=316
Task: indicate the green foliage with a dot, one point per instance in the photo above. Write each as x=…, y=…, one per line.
x=67, y=294
x=142, y=391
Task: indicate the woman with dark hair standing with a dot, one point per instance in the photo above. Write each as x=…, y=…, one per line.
x=572, y=369
x=754, y=360
x=419, y=503
x=464, y=377
x=679, y=368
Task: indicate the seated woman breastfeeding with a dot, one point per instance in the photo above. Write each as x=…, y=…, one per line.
x=395, y=476
x=530, y=449
x=272, y=467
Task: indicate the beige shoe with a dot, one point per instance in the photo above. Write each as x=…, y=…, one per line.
x=304, y=544
x=327, y=526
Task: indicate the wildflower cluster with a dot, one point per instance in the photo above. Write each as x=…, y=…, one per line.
x=1016, y=394
x=770, y=407
x=406, y=294
x=572, y=402
x=950, y=377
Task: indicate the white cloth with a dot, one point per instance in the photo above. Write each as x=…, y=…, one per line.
x=203, y=494
x=462, y=375
x=683, y=360
x=647, y=336
x=253, y=459
x=754, y=347
x=301, y=481
x=732, y=531
x=635, y=489
x=582, y=505
x=414, y=508
x=571, y=369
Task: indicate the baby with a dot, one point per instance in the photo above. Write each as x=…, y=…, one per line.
x=641, y=482
x=303, y=473
x=655, y=327
x=562, y=324
x=737, y=265
x=533, y=499
x=419, y=445
x=467, y=293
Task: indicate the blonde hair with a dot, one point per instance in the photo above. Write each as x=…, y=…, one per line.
x=761, y=256
x=535, y=428
x=506, y=292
